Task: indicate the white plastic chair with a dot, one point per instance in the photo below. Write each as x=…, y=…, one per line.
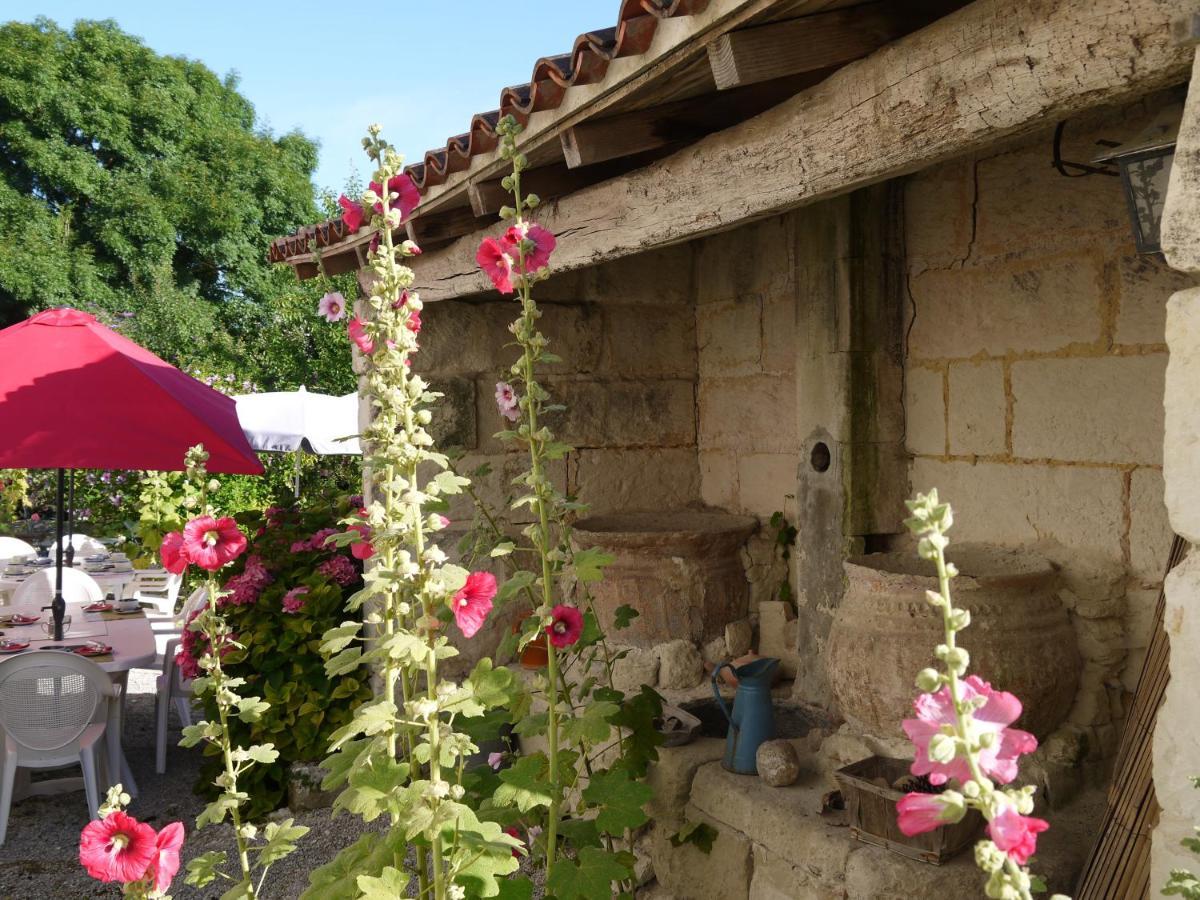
x=54, y=709
x=83, y=544
x=38, y=589
x=172, y=687
x=158, y=589
x=11, y=546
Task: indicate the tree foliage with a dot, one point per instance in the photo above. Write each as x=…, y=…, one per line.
x=135, y=183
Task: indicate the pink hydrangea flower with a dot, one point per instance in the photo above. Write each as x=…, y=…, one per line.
x=473, y=602
x=166, y=862
x=496, y=259
x=332, y=306
x=543, y=242
x=245, y=588
x=999, y=761
x=293, y=600
x=117, y=848
x=212, y=543
x=339, y=569
x=567, y=626
x=507, y=401
x=1016, y=834
x=919, y=813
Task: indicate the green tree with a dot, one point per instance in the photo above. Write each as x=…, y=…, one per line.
x=140, y=188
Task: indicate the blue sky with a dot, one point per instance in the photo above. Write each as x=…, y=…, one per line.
x=315, y=65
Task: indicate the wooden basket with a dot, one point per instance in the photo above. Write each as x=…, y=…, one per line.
x=871, y=810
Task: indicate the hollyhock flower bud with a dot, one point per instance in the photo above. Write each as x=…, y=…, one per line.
x=988, y=856
x=929, y=680
x=919, y=813
x=1016, y=834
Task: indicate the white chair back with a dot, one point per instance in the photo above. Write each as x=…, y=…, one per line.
x=11, y=546
x=82, y=543
x=196, y=600
x=48, y=698
x=159, y=588
x=38, y=589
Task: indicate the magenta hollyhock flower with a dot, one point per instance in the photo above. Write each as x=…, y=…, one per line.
x=173, y=555
x=293, y=600
x=211, y=543
x=413, y=323
x=543, y=242
x=117, y=848
x=566, y=627
x=1016, y=834
x=919, y=813
x=496, y=259
x=352, y=213
x=332, y=306
x=507, y=401
x=357, y=330
x=1001, y=709
x=362, y=548
x=166, y=863
x=513, y=832
x=339, y=569
x=407, y=196
x=473, y=602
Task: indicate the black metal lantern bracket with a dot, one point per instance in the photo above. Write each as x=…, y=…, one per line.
x=1079, y=170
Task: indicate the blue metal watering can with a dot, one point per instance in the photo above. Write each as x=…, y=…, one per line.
x=752, y=720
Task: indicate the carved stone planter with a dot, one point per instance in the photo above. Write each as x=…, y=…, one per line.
x=884, y=632
x=682, y=571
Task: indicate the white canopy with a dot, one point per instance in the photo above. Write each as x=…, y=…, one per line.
x=297, y=420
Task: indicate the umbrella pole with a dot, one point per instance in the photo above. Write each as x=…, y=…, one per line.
x=297, y=455
x=58, y=606
x=71, y=520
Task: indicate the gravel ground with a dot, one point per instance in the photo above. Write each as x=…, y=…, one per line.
x=40, y=858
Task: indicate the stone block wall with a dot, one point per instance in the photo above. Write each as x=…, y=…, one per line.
x=1034, y=383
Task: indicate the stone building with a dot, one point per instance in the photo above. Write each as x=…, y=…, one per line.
x=813, y=257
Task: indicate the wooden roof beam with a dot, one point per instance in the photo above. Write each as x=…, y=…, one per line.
x=429, y=230
x=820, y=41
x=549, y=181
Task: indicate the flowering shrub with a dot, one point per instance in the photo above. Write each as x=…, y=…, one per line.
x=14, y=493
x=282, y=595
x=118, y=848
x=962, y=737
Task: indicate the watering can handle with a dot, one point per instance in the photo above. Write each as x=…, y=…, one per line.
x=716, y=680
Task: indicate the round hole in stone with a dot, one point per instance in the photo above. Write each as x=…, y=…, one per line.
x=820, y=457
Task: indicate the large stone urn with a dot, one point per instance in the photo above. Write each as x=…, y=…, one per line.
x=884, y=632
x=682, y=571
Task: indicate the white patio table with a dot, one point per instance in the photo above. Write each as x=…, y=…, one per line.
x=132, y=640
x=111, y=581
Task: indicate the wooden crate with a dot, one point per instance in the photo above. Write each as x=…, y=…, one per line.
x=871, y=811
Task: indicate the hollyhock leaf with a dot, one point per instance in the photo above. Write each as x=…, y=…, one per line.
x=589, y=564
x=337, y=879
x=281, y=840
x=619, y=799
x=390, y=884
x=526, y=785
x=589, y=879
x=493, y=686
x=592, y=725
x=502, y=549
x=624, y=616
x=205, y=868
x=581, y=832
x=336, y=639
x=344, y=663
x=515, y=889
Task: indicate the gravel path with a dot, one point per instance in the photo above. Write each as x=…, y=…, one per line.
x=40, y=858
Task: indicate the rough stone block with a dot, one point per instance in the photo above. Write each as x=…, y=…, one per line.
x=304, y=787
x=637, y=480
x=671, y=777
x=1064, y=510
x=718, y=479
x=778, y=634
x=939, y=219
x=738, y=637
x=1147, y=282
x=729, y=337
x=1104, y=409
x=661, y=277
x=779, y=332
x=1043, y=305
x=690, y=874
x=1139, y=617
x=496, y=488
x=637, y=667
x=715, y=651
x=752, y=259
x=1150, y=534
x=1181, y=462
x=767, y=483
x=453, y=422
x=777, y=879
x=925, y=406
x=873, y=873
x=648, y=341
x=626, y=413
x=978, y=409
x=756, y=411
x=680, y=665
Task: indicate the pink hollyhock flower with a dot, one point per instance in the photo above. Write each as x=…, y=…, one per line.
x=1016, y=834
x=174, y=557
x=566, y=627
x=496, y=259
x=35, y=518
x=442, y=521
x=495, y=760
x=407, y=196
x=413, y=323
x=507, y=401
x=170, y=839
x=339, y=569
x=999, y=761
x=473, y=602
x=332, y=306
x=117, y=848
x=543, y=242
x=357, y=330
x=512, y=832
x=362, y=548
x=919, y=813
x=293, y=600
x=352, y=213
x=211, y=543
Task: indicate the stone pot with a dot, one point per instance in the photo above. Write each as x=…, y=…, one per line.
x=682, y=571
x=884, y=632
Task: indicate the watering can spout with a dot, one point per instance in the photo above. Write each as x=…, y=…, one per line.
x=751, y=721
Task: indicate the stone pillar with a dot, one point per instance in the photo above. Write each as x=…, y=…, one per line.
x=1177, y=733
x=852, y=472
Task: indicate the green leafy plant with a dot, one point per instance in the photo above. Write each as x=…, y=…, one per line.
x=14, y=493
x=785, y=540
x=1182, y=883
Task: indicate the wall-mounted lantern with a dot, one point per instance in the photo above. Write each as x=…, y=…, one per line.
x=1145, y=167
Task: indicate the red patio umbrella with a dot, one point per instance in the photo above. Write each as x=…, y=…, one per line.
x=77, y=395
